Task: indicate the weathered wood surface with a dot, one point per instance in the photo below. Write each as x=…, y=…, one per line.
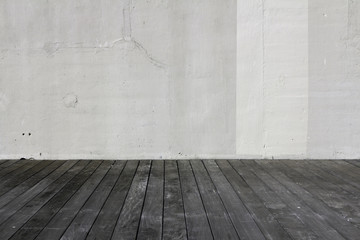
x=262, y=199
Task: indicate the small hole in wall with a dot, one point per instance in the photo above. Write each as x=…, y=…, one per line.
x=40, y=154
x=29, y=134
x=23, y=134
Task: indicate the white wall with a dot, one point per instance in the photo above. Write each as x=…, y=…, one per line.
x=179, y=79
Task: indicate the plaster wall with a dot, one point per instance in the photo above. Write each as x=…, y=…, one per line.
x=131, y=79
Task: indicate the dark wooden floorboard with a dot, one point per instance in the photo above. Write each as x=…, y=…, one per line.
x=262, y=199
x=198, y=227
x=88, y=213
x=219, y=219
x=105, y=223
x=29, y=208
x=27, y=184
x=345, y=187
x=58, y=224
x=20, y=201
x=152, y=215
x=10, y=183
x=128, y=221
x=354, y=162
x=7, y=163
x=174, y=218
x=334, y=226
x=340, y=201
x=240, y=216
x=339, y=172
x=266, y=221
x=312, y=219
x=285, y=215
x=54, y=200
x=12, y=167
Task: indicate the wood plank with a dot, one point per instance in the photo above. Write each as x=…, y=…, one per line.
x=328, y=222
x=128, y=222
x=85, y=218
x=37, y=213
x=30, y=182
x=197, y=224
x=220, y=222
x=152, y=214
x=338, y=172
x=354, y=162
x=106, y=220
x=320, y=172
x=11, y=166
x=59, y=223
x=3, y=161
x=339, y=201
x=174, y=218
x=7, y=164
x=286, y=216
x=266, y=221
x=21, y=200
x=16, y=168
x=11, y=182
x=244, y=224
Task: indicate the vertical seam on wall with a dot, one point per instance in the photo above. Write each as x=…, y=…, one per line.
x=308, y=79
x=263, y=145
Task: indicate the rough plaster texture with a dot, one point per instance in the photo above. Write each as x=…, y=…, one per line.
x=179, y=79
x=117, y=78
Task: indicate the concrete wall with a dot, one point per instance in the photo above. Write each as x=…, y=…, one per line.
x=179, y=79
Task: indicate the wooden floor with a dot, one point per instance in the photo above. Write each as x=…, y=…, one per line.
x=179, y=199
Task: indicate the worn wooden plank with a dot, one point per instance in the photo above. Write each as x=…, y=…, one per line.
x=17, y=179
x=174, y=218
x=83, y=221
x=339, y=172
x=40, y=210
x=244, y=224
x=8, y=163
x=21, y=200
x=197, y=224
x=327, y=176
x=152, y=214
x=128, y=222
x=59, y=223
x=339, y=201
x=12, y=167
x=30, y=182
x=220, y=222
x=3, y=161
x=266, y=221
x=328, y=223
x=105, y=222
x=21, y=170
x=354, y=162
x=286, y=216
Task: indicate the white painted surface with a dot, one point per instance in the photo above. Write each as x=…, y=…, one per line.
x=179, y=79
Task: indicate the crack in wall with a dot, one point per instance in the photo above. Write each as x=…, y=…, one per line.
x=51, y=48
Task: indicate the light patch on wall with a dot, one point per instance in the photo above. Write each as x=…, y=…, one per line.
x=70, y=100
x=4, y=102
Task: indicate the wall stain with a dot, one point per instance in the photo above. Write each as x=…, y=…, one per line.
x=70, y=100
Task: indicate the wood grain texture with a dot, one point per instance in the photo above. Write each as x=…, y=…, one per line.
x=127, y=224
x=197, y=224
x=174, y=219
x=262, y=199
x=220, y=222
x=104, y=225
x=152, y=214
